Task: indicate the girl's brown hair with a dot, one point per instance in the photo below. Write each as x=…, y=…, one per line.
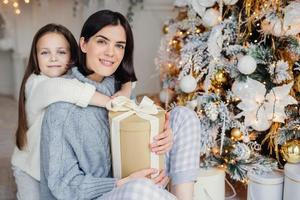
x=33, y=67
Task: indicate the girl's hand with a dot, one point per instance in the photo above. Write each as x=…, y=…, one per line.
x=163, y=142
x=139, y=174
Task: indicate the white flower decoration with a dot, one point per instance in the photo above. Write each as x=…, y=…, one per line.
x=261, y=109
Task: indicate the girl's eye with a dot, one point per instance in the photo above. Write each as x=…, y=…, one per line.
x=62, y=52
x=44, y=52
x=120, y=46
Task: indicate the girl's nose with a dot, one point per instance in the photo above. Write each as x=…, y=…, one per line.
x=53, y=58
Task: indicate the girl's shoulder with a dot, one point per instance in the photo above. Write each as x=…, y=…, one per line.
x=33, y=80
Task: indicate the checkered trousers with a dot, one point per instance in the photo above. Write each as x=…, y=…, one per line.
x=182, y=162
x=139, y=189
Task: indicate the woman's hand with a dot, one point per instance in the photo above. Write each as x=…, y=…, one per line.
x=160, y=179
x=163, y=142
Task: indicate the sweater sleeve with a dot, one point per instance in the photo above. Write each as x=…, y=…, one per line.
x=60, y=89
x=59, y=163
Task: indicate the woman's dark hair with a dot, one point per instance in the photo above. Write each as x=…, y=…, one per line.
x=33, y=67
x=95, y=23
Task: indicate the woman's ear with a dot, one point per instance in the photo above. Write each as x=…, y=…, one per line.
x=82, y=44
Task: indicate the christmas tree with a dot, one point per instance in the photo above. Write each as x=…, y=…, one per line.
x=236, y=64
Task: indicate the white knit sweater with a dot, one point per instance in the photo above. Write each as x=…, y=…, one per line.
x=40, y=92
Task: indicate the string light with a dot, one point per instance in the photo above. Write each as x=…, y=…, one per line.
x=18, y=11
x=15, y=4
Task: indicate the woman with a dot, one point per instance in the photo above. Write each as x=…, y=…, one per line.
x=75, y=152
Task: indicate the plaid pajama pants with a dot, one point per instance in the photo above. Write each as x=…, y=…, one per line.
x=182, y=162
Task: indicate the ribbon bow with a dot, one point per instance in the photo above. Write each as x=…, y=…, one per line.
x=122, y=103
x=144, y=110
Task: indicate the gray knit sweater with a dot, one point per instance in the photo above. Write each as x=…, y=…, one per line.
x=75, y=151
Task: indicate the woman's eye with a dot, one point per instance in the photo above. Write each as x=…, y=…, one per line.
x=120, y=46
x=101, y=42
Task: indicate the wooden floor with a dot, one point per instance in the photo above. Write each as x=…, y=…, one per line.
x=8, y=121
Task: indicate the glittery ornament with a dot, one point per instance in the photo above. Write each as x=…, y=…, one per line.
x=291, y=151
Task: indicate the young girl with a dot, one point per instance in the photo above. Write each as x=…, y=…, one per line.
x=53, y=50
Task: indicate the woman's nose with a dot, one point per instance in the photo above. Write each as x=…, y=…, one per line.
x=109, y=51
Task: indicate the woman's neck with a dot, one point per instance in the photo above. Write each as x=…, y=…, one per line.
x=95, y=77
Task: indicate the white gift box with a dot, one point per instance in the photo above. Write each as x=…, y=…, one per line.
x=267, y=186
x=210, y=185
x=291, y=182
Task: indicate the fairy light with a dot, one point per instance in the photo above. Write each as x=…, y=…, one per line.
x=18, y=11
x=15, y=4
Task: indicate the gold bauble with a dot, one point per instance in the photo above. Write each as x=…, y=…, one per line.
x=291, y=151
x=236, y=133
x=219, y=78
x=165, y=29
x=176, y=45
x=200, y=29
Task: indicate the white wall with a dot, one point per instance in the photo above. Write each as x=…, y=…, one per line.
x=6, y=73
x=147, y=26
x=147, y=29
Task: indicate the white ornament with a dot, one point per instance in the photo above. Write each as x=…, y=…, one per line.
x=291, y=21
x=215, y=41
x=239, y=87
x=200, y=9
x=247, y=64
x=165, y=95
x=242, y=151
x=277, y=28
x=211, y=111
x=211, y=17
x=229, y=2
x=206, y=3
x=181, y=3
x=259, y=109
x=188, y=84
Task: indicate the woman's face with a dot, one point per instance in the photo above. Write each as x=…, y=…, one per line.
x=104, y=51
x=53, y=54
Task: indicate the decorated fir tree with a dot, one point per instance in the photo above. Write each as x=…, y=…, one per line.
x=236, y=64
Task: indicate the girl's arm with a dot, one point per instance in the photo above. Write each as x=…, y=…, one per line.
x=125, y=90
x=68, y=90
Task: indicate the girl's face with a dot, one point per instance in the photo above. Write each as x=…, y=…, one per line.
x=53, y=54
x=104, y=51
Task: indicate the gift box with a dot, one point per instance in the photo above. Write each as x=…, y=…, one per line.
x=132, y=130
x=291, y=182
x=210, y=185
x=267, y=186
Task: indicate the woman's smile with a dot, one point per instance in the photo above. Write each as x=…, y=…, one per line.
x=106, y=63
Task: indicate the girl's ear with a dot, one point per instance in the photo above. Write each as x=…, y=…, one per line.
x=82, y=44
